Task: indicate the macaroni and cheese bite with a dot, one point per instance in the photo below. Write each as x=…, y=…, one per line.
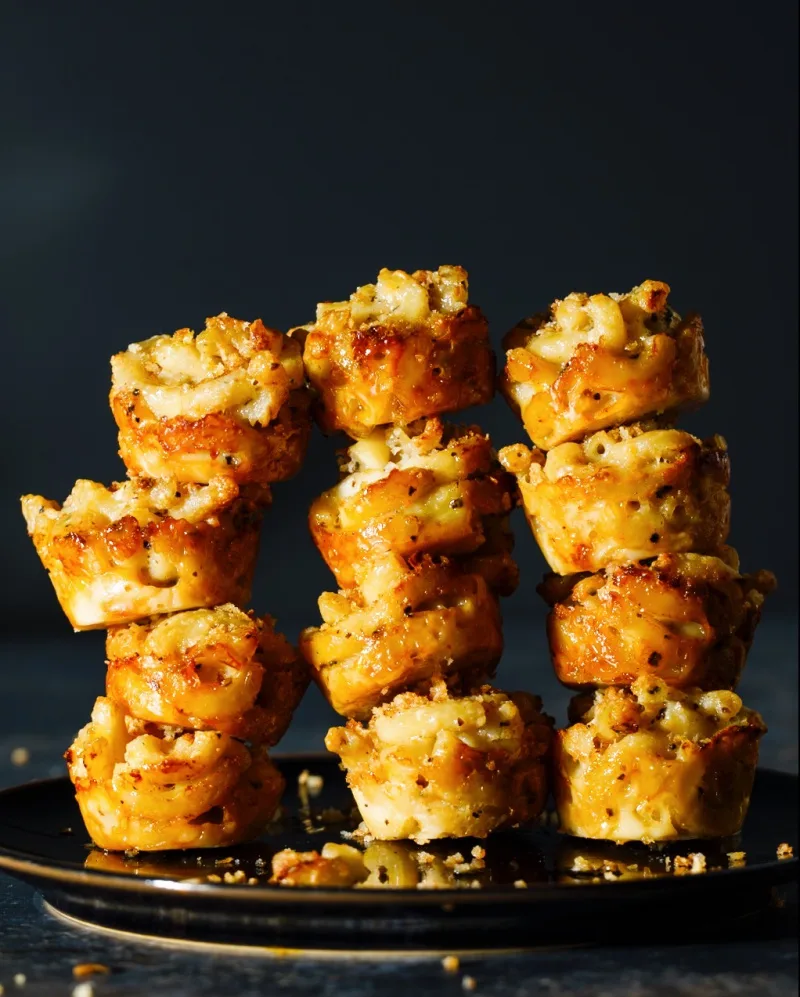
x=653, y=763
x=144, y=547
x=596, y=361
x=150, y=787
x=207, y=669
x=428, y=488
x=408, y=623
x=444, y=766
x=409, y=346
x=687, y=620
x=230, y=400
x=623, y=495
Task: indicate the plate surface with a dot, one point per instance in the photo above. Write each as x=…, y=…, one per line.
x=43, y=841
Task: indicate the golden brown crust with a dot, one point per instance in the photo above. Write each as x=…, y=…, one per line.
x=624, y=495
x=409, y=623
x=406, y=348
x=440, y=766
x=230, y=401
x=151, y=788
x=652, y=763
x=685, y=619
x=594, y=362
x=432, y=489
x=196, y=449
x=141, y=548
x=207, y=669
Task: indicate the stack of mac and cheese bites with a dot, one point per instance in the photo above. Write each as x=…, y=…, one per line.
x=650, y=616
x=416, y=534
x=197, y=687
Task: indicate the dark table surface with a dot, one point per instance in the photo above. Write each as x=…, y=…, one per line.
x=48, y=687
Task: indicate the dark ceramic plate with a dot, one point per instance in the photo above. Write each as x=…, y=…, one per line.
x=528, y=893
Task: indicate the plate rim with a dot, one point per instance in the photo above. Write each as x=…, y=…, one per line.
x=27, y=866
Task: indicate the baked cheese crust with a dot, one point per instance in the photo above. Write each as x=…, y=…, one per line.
x=623, y=495
x=429, y=488
x=144, y=547
x=230, y=400
x=685, y=619
x=407, y=347
x=407, y=624
x=443, y=766
x=148, y=787
x=653, y=763
x=207, y=669
x=597, y=361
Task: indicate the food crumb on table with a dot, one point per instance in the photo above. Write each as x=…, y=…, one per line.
x=450, y=964
x=520, y=884
x=785, y=851
x=20, y=979
x=691, y=864
x=468, y=983
x=82, y=969
x=737, y=859
x=234, y=877
x=83, y=990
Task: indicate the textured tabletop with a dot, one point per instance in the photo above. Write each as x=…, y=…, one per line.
x=48, y=688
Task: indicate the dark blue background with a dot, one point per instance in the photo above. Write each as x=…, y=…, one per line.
x=161, y=163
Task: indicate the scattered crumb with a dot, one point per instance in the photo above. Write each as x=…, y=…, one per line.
x=459, y=866
x=234, y=877
x=737, y=859
x=89, y=969
x=424, y=858
x=83, y=990
x=450, y=964
x=225, y=861
x=66, y=831
x=20, y=756
x=214, y=878
x=468, y=983
x=691, y=864
x=252, y=881
x=608, y=868
x=581, y=864
x=520, y=884
x=20, y=980
x=361, y=835
x=785, y=851
x=131, y=853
